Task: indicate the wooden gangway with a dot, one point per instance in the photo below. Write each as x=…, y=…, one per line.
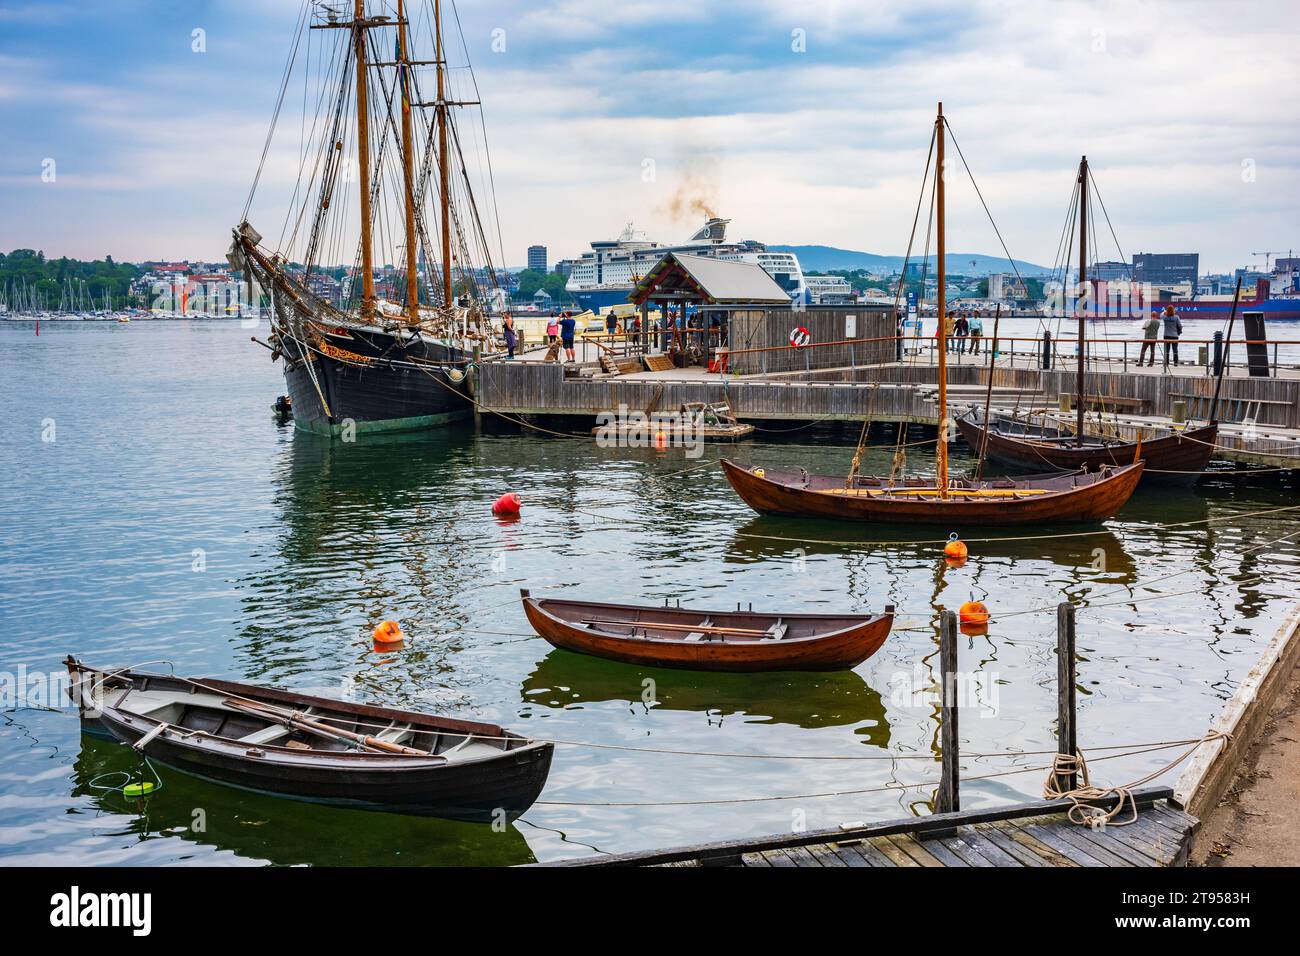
x=1037, y=834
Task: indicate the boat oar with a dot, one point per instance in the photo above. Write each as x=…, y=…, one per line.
x=697, y=628
x=292, y=719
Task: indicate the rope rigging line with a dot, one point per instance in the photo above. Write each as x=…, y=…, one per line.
x=279, y=102
x=987, y=211
x=1126, y=749
x=1029, y=537
x=888, y=787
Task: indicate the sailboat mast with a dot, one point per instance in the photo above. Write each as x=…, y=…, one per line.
x=443, y=160
x=1080, y=302
x=941, y=452
x=363, y=162
x=408, y=166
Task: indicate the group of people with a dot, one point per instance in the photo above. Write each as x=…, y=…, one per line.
x=562, y=328
x=1171, y=326
x=961, y=329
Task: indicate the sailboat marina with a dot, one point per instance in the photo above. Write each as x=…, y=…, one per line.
x=358, y=543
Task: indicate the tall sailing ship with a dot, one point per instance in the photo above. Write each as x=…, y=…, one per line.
x=395, y=355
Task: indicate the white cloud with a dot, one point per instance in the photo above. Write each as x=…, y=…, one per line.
x=827, y=146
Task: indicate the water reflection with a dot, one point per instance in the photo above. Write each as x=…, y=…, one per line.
x=563, y=679
x=360, y=535
x=283, y=832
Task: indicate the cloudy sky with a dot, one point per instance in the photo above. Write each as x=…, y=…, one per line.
x=803, y=122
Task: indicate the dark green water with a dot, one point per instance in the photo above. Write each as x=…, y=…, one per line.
x=165, y=460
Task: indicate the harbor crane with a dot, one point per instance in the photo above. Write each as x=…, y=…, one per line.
x=1268, y=257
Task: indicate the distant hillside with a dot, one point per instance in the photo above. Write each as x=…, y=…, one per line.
x=823, y=258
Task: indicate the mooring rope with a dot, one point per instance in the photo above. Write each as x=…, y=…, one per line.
x=1027, y=537
x=863, y=790
x=1085, y=795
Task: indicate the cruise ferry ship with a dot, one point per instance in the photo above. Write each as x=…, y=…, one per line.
x=607, y=274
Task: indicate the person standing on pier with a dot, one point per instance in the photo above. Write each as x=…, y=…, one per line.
x=1150, y=332
x=508, y=332
x=567, y=326
x=961, y=328
x=976, y=333
x=552, y=330
x=1173, y=329
x=949, y=323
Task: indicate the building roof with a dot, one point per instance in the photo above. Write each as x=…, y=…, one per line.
x=710, y=280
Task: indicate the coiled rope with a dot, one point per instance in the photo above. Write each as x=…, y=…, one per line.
x=1083, y=797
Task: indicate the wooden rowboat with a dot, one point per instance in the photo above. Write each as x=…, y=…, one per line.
x=961, y=503
x=314, y=748
x=1179, y=458
x=709, y=640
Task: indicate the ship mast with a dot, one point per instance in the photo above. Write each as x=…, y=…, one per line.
x=443, y=161
x=363, y=161
x=408, y=160
x=1083, y=288
x=941, y=449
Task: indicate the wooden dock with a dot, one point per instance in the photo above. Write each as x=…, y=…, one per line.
x=1033, y=834
x=1023, y=835
x=1260, y=417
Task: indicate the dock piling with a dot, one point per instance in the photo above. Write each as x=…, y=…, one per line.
x=949, y=782
x=1066, y=726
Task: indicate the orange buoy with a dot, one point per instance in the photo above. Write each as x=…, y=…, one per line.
x=955, y=549
x=507, y=504
x=973, y=612
x=389, y=632
x=661, y=440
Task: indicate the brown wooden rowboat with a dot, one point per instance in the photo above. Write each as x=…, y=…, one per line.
x=1041, y=499
x=315, y=748
x=1173, y=459
x=709, y=640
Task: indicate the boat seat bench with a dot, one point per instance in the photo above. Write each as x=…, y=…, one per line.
x=395, y=733
x=695, y=636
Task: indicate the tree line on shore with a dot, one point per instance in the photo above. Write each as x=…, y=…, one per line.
x=28, y=272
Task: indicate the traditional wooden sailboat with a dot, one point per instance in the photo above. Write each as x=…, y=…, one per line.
x=709, y=640
x=1177, y=458
x=1074, y=496
x=396, y=361
x=314, y=748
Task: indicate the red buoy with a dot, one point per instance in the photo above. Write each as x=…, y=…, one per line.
x=507, y=504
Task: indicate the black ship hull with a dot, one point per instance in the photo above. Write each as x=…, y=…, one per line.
x=350, y=380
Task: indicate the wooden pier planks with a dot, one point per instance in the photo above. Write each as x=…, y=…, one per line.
x=1023, y=835
x=1034, y=842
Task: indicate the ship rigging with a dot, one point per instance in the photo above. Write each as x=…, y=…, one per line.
x=394, y=354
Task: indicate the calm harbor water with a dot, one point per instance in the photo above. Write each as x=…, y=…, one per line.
x=152, y=510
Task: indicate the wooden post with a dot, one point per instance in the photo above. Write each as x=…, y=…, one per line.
x=949, y=797
x=1066, y=728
